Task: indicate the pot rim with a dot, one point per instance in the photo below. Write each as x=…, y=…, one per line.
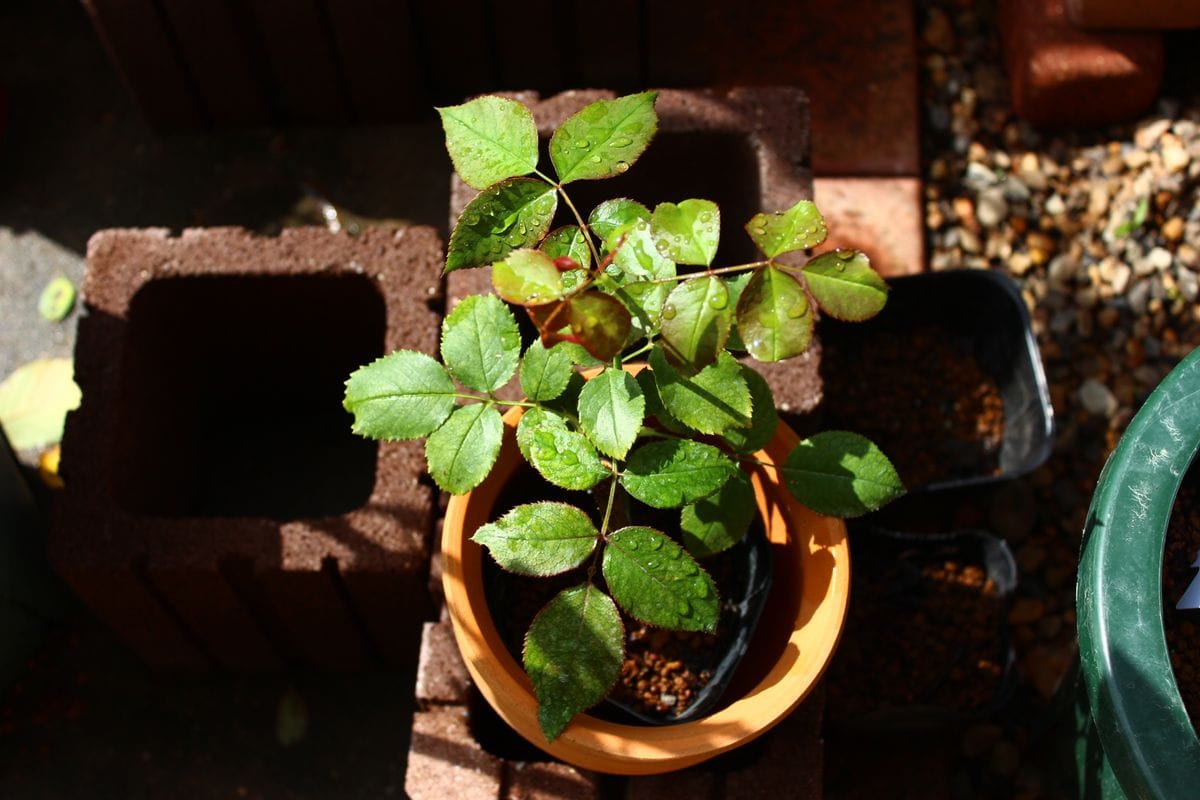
x=808, y=548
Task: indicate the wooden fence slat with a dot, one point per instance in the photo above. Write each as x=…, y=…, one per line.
x=377, y=50
x=302, y=61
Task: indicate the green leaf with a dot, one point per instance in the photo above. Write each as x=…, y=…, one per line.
x=638, y=258
x=601, y=322
x=527, y=278
x=568, y=402
x=687, y=233
x=845, y=286
x=645, y=303
x=841, y=474
x=490, y=139
x=673, y=472
x=611, y=410
x=404, y=395
x=604, y=138
x=565, y=458
x=573, y=654
x=533, y=420
x=695, y=322
x=34, y=401
x=545, y=373
x=764, y=419
x=461, y=452
x=798, y=228
x=737, y=284
x=57, y=299
x=655, y=407
x=511, y=214
x=658, y=582
x=773, y=316
x=568, y=241
x=612, y=217
x=481, y=343
x=719, y=521
x=539, y=538
x=712, y=401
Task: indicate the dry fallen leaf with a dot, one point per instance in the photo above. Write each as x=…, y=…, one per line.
x=34, y=401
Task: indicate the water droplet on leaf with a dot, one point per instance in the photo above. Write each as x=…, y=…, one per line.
x=668, y=311
x=719, y=300
x=797, y=311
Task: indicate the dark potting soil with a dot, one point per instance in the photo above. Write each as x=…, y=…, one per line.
x=924, y=630
x=663, y=671
x=922, y=397
x=1183, y=626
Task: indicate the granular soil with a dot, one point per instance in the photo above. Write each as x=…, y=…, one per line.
x=941, y=416
x=1183, y=626
x=925, y=630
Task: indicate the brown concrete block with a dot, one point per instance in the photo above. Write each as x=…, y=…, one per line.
x=442, y=677
x=791, y=762
x=855, y=59
x=1148, y=15
x=212, y=451
x=880, y=216
x=444, y=761
x=1061, y=75
x=548, y=780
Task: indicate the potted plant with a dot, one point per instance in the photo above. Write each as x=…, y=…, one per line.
x=692, y=431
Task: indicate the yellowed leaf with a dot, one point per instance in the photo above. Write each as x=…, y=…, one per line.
x=34, y=401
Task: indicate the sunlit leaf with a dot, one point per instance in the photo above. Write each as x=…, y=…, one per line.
x=841, y=474
x=773, y=316
x=798, y=228
x=605, y=138
x=687, y=233
x=481, y=344
x=658, y=582
x=845, y=285
x=461, y=452
x=490, y=139
x=712, y=401
x=669, y=473
x=34, y=401
x=565, y=458
x=570, y=242
x=527, y=278
x=696, y=318
x=539, y=538
x=612, y=217
x=573, y=654
x=611, y=410
x=509, y=215
x=545, y=372
x=533, y=420
x=404, y=395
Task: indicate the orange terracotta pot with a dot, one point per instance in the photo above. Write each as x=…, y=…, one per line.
x=796, y=634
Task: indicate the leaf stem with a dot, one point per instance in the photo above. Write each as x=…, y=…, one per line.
x=612, y=496
x=583, y=226
x=720, y=271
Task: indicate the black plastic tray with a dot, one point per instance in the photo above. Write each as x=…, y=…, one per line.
x=986, y=309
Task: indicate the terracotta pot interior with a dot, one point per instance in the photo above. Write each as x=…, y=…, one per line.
x=206, y=366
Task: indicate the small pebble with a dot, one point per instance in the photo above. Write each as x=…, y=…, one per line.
x=1096, y=398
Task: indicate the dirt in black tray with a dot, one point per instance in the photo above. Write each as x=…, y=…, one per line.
x=924, y=629
x=922, y=397
x=1183, y=626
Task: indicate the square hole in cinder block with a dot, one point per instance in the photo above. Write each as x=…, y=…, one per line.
x=231, y=396
x=710, y=165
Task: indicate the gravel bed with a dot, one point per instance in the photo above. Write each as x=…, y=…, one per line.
x=1101, y=229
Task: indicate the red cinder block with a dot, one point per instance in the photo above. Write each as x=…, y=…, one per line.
x=445, y=761
x=548, y=780
x=218, y=509
x=1061, y=75
x=442, y=676
x=1147, y=15
x=754, y=143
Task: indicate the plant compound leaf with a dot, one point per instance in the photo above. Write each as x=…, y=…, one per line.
x=719, y=521
x=532, y=420
x=511, y=214
x=540, y=539
x=34, y=401
x=696, y=318
x=798, y=228
x=573, y=653
x=605, y=138
x=713, y=400
x=845, y=285
x=545, y=373
x=490, y=139
x=687, y=233
x=57, y=299
x=611, y=410
x=461, y=452
x=481, y=344
x=528, y=278
x=841, y=474
x=612, y=217
x=404, y=395
x=658, y=582
x=565, y=458
x=673, y=472
x=773, y=316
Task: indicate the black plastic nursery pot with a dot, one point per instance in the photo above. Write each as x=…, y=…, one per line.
x=947, y=379
x=1149, y=743
x=927, y=641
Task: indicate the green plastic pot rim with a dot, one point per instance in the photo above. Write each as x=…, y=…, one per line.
x=1135, y=701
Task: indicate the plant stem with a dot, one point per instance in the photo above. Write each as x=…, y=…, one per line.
x=720, y=271
x=612, y=496
x=583, y=226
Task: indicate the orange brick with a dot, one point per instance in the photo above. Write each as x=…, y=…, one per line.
x=880, y=216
